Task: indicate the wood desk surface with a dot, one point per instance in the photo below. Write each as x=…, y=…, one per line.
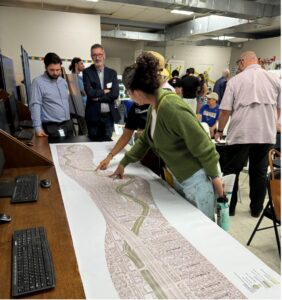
x=49, y=212
x=40, y=144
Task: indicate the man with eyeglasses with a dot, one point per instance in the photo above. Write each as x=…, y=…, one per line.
x=101, y=87
x=252, y=99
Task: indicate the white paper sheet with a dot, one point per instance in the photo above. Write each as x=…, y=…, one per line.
x=86, y=215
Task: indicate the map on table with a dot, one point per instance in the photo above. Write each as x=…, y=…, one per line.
x=136, y=252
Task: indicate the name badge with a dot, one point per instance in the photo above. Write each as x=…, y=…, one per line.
x=61, y=132
x=109, y=85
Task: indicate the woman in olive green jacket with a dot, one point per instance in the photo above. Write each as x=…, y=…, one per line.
x=174, y=133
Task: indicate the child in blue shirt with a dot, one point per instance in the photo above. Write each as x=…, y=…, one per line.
x=209, y=112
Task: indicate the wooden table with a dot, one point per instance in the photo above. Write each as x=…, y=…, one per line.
x=49, y=212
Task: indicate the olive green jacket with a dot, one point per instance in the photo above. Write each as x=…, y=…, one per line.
x=179, y=139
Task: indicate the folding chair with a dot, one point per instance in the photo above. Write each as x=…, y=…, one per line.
x=272, y=209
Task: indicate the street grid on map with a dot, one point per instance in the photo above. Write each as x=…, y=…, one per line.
x=146, y=257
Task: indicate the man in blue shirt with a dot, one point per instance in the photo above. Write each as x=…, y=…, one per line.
x=49, y=105
x=220, y=84
x=209, y=112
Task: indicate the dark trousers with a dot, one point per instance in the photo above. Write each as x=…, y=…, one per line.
x=236, y=157
x=101, y=130
x=52, y=128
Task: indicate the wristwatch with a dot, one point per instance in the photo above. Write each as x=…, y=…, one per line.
x=220, y=131
x=214, y=177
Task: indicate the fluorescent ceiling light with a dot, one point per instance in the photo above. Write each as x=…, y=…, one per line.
x=223, y=38
x=182, y=12
x=92, y=0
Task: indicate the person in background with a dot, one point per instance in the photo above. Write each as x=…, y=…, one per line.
x=181, y=142
x=77, y=67
x=190, y=85
x=186, y=74
x=176, y=82
x=252, y=98
x=201, y=92
x=163, y=72
x=136, y=120
x=209, y=113
x=49, y=104
x=101, y=87
x=220, y=84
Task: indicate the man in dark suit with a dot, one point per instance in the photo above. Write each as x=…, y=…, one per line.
x=101, y=87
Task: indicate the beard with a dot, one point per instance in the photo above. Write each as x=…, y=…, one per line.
x=54, y=77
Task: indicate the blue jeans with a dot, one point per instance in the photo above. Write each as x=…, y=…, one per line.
x=198, y=190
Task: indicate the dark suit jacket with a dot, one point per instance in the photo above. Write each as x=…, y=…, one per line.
x=96, y=95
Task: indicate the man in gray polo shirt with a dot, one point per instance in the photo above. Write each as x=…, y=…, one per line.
x=49, y=104
x=252, y=98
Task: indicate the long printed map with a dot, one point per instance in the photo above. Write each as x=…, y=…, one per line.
x=145, y=256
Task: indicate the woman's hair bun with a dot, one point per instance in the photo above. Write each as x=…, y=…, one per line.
x=143, y=75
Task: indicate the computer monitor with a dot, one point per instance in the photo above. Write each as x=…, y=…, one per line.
x=26, y=73
x=7, y=76
x=4, y=125
x=13, y=116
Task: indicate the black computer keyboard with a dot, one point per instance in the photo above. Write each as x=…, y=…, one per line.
x=24, y=134
x=26, y=189
x=32, y=269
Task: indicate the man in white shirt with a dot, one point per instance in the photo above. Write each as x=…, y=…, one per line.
x=252, y=98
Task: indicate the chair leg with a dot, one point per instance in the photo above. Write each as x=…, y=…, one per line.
x=275, y=229
x=257, y=226
x=277, y=237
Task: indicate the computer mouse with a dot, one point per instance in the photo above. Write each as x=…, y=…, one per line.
x=45, y=183
x=5, y=218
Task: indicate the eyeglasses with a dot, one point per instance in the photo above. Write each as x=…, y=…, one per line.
x=239, y=60
x=97, y=55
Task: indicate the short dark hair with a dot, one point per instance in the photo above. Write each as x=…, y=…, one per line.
x=52, y=58
x=175, y=73
x=202, y=76
x=74, y=61
x=143, y=75
x=190, y=71
x=95, y=46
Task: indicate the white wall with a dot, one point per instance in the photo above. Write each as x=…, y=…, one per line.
x=202, y=58
x=121, y=53
x=40, y=32
x=118, y=49
x=265, y=48
x=125, y=51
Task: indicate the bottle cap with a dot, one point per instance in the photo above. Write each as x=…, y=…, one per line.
x=223, y=199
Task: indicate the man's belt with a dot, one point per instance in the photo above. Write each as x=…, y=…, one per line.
x=56, y=123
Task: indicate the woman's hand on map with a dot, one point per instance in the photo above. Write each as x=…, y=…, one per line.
x=118, y=172
x=104, y=164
